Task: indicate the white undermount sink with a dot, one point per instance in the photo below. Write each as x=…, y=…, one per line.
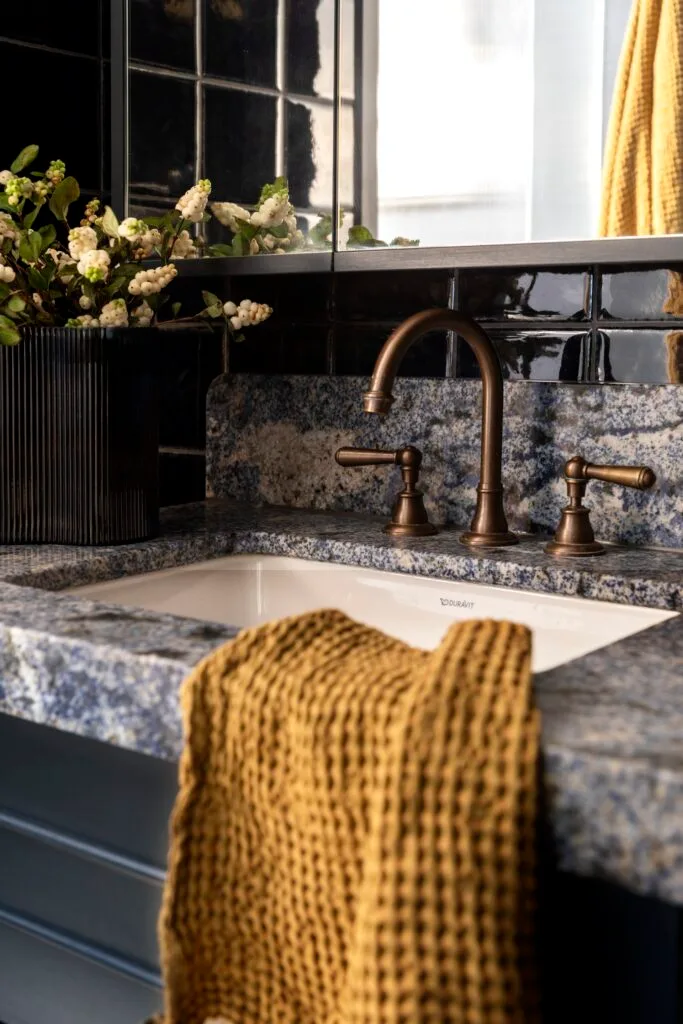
x=244, y=590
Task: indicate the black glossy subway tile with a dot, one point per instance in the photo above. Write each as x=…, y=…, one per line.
x=310, y=154
x=162, y=32
x=389, y=295
x=162, y=135
x=48, y=24
x=238, y=170
x=240, y=40
x=192, y=358
x=294, y=298
x=640, y=356
x=280, y=350
x=532, y=355
x=61, y=134
x=525, y=294
x=356, y=349
x=182, y=478
x=642, y=294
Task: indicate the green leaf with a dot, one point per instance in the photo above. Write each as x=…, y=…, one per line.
x=47, y=233
x=26, y=157
x=153, y=222
x=29, y=246
x=238, y=337
x=5, y=203
x=321, y=231
x=240, y=246
x=210, y=299
x=36, y=279
x=175, y=309
x=280, y=231
x=30, y=217
x=16, y=304
x=4, y=291
x=214, y=311
x=9, y=336
x=278, y=186
x=110, y=223
x=66, y=193
x=360, y=235
x=220, y=249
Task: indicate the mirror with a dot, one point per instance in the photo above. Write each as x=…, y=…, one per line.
x=497, y=121
x=241, y=92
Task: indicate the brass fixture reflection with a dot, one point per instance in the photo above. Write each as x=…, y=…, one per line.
x=575, y=535
x=409, y=517
x=489, y=526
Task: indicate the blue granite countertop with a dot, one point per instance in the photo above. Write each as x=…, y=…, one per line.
x=612, y=720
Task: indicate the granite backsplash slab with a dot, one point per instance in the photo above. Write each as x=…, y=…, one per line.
x=272, y=440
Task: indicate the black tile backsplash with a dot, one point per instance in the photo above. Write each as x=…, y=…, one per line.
x=526, y=354
x=510, y=294
x=191, y=360
x=70, y=128
x=645, y=356
x=48, y=24
x=356, y=348
x=162, y=135
x=278, y=350
x=386, y=295
x=642, y=294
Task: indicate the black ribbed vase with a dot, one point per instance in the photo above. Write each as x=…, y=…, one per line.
x=79, y=436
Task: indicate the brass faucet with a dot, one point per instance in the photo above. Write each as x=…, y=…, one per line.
x=489, y=526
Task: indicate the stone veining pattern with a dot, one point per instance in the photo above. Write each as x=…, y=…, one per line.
x=272, y=439
x=612, y=721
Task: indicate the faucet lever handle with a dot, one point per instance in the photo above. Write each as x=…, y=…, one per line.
x=575, y=535
x=409, y=517
x=365, y=457
x=642, y=478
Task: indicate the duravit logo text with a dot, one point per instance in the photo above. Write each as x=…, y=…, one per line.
x=452, y=602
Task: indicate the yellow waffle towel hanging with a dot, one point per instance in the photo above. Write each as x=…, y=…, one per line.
x=642, y=192
x=353, y=840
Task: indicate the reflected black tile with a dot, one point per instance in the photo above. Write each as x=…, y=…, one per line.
x=310, y=153
x=239, y=143
x=144, y=208
x=51, y=25
x=273, y=350
x=105, y=27
x=532, y=355
x=640, y=357
x=389, y=295
x=525, y=294
x=61, y=133
x=294, y=298
x=310, y=47
x=162, y=146
x=356, y=349
x=241, y=40
x=650, y=294
x=191, y=360
x=162, y=32
x=105, y=122
x=182, y=478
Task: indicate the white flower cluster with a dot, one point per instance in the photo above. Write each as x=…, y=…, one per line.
x=144, y=314
x=184, y=247
x=193, y=204
x=7, y=275
x=247, y=313
x=114, y=314
x=94, y=263
x=90, y=212
x=229, y=213
x=5, y=177
x=84, y=302
x=55, y=172
x=18, y=189
x=148, y=282
x=62, y=259
x=147, y=243
x=7, y=227
x=274, y=212
x=84, y=321
x=132, y=229
x=81, y=240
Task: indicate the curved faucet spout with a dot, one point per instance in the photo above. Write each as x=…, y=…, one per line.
x=489, y=526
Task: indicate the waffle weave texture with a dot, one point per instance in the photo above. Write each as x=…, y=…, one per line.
x=642, y=183
x=353, y=840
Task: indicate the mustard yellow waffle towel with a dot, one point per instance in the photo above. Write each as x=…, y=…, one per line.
x=642, y=180
x=353, y=840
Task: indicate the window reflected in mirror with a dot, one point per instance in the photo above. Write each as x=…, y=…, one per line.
x=497, y=121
